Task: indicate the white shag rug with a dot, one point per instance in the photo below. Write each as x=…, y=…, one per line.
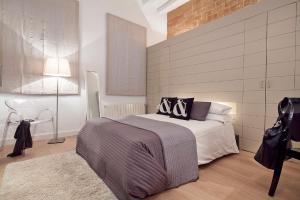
x=63, y=176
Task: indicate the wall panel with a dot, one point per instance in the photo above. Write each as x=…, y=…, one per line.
x=126, y=58
x=282, y=56
x=250, y=64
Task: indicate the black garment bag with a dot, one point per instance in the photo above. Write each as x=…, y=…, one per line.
x=23, y=139
x=269, y=151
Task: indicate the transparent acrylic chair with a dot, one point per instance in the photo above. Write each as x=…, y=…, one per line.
x=21, y=109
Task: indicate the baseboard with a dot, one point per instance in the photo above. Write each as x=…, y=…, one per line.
x=47, y=136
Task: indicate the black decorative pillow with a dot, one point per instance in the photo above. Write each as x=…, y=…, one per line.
x=166, y=105
x=182, y=109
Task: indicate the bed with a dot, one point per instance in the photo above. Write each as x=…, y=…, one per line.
x=214, y=138
x=142, y=155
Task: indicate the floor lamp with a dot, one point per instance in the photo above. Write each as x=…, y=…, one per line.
x=57, y=67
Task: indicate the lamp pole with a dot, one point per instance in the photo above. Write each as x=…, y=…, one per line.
x=57, y=67
x=56, y=140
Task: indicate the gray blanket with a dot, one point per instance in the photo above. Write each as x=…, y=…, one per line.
x=138, y=157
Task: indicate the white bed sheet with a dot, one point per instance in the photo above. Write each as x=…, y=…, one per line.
x=214, y=139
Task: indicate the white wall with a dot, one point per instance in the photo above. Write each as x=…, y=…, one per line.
x=72, y=109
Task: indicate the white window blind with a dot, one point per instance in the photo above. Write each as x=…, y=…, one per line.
x=31, y=31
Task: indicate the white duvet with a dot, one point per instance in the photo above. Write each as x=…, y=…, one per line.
x=214, y=139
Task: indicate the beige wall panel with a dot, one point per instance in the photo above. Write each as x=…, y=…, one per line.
x=153, y=75
x=151, y=109
x=159, y=53
x=271, y=114
x=233, y=97
x=298, y=38
x=281, y=27
x=223, y=54
x=298, y=23
x=226, y=86
x=254, y=97
x=282, y=41
x=254, y=121
x=297, y=52
x=157, y=67
x=280, y=83
x=253, y=133
x=151, y=65
x=157, y=47
x=256, y=46
x=254, y=109
x=254, y=72
x=254, y=84
x=164, y=71
x=281, y=55
x=256, y=34
x=206, y=77
x=256, y=21
x=164, y=83
x=281, y=59
x=255, y=59
x=238, y=118
x=281, y=69
x=208, y=37
x=208, y=47
x=158, y=60
x=297, y=71
x=164, y=90
x=297, y=82
x=231, y=63
x=276, y=96
x=282, y=13
x=152, y=88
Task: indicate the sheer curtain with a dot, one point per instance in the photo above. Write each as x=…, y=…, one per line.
x=31, y=32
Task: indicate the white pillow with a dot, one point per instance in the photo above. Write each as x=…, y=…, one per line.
x=220, y=118
x=219, y=109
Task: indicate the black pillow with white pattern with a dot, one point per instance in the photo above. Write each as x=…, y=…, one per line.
x=166, y=105
x=182, y=109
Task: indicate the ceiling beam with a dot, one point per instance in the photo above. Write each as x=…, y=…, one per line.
x=165, y=5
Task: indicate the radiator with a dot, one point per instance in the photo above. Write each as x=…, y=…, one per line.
x=117, y=111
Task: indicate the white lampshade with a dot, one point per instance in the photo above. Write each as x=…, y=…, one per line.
x=57, y=67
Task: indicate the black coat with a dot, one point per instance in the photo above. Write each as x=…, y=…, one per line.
x=23, y=139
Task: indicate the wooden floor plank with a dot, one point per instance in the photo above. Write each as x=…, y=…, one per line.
x=233, y=177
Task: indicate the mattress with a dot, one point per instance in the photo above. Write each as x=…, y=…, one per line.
x=214, y=139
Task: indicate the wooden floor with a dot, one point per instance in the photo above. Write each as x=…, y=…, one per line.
x=235, y=177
